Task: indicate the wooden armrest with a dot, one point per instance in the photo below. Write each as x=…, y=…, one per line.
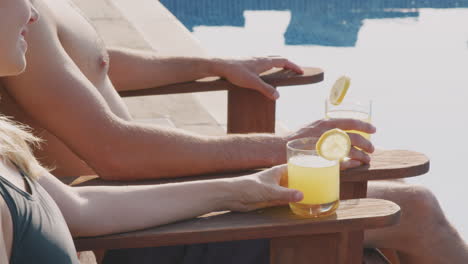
x=389, y=164
x=384, y=165
x=275, y=222
x=275, y=77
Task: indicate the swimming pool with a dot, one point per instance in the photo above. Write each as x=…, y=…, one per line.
x=313, y=22
x=409, y=57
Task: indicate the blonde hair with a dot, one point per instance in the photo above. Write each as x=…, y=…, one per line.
x=15, y=145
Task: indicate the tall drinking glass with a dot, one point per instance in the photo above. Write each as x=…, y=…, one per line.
x=316, y=177
x=350, y=108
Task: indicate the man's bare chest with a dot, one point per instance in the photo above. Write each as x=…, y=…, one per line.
x=81, y=41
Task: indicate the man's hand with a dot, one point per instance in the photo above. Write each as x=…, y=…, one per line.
x=357, y=157
x=245, y=72
x=262, y=189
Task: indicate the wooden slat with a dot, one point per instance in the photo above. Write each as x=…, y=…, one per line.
x=352, y=190
x=389, y=164
x=250, y=112
x=267, y=223
x=355, y=246
x=275, y=77
x=355, y=239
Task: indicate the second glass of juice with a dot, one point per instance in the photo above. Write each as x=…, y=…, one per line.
x=316, y=177
x=351, y=108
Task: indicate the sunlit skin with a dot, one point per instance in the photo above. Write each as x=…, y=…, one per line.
x=15, y=15
x=73, y=132
x=74, y=105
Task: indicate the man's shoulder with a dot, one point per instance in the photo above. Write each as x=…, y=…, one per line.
x=44, y=31
x=47, y=16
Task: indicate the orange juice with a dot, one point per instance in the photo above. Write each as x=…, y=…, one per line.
x=351, y=114
x=319, y=180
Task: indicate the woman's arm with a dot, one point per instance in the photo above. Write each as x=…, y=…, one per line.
x=6, y=234
x=91, y=211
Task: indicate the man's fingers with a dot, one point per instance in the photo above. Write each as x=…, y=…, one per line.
x=359, y=155
x=287, y=64
x=349, y=164
x=360, y=142
x=265, y=88
x=351, y=124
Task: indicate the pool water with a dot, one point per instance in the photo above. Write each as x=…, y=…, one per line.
x=409, y=57
x=313, y=22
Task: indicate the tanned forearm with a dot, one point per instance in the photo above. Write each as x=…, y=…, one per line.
x=135, y=70
x=107, y=210
x=100, y=210
x=158, y=152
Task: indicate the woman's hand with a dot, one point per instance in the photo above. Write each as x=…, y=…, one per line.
x=357, y=157
x=245, y=72
x=262, y=189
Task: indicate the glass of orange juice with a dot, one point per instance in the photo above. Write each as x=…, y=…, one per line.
x=351, y=108
x=316, y=177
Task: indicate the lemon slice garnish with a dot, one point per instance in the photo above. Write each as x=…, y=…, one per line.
x=339, y=89
x=334, y=145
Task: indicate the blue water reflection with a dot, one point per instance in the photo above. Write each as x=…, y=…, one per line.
x=313, y=22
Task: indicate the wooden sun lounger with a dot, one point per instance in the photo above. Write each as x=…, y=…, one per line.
x=292, y=239
x=251, y=112
x=337, y=239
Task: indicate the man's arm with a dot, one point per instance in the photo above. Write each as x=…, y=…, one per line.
x=135, y=70
x=93, y=211
x=65, y=103
x=55, y=92
x=61, y=99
